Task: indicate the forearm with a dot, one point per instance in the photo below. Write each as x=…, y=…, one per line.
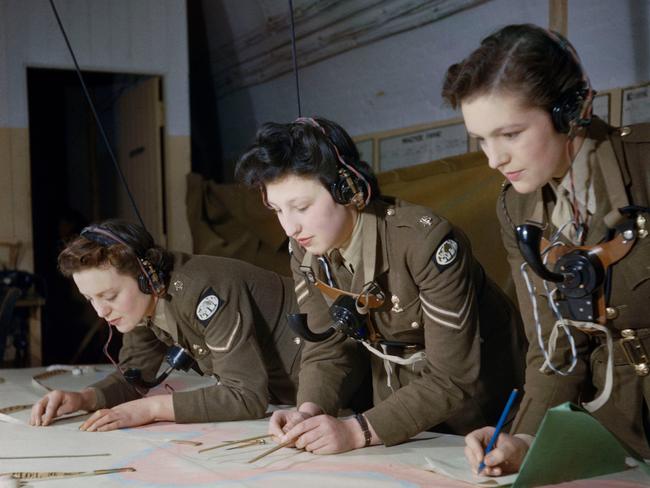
x=88, y=399
x=413, y=409
x=161, y=408
x=113, y=390
x=219, y=403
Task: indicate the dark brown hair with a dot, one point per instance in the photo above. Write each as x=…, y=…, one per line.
x=301, y=149
x=536, y=65
x=84, y=253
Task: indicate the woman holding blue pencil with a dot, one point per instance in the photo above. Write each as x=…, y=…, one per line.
x=573, y=214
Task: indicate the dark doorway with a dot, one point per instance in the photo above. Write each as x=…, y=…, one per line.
x=73, y=183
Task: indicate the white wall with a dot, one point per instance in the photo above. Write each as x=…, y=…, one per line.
x=396, y=82
x=130, y=36
x=127, y=36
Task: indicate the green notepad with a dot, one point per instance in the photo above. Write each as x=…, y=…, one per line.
x=569, y=445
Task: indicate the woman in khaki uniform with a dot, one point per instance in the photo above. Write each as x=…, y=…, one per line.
x=420, y=310
x=526, y=98
x=226, y=316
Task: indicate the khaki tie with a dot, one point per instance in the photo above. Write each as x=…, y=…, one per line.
x=563, y=215
x=341, y=271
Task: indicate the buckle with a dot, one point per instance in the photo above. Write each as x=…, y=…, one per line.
x=635, y=352
x=309, y=274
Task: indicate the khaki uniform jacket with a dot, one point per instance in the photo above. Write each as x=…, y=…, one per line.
x=443, y=302
x=244, y=342
x=630, y=296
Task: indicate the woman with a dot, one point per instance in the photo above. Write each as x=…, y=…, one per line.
x=227, y=316
x=418, y=297
x=525, y=97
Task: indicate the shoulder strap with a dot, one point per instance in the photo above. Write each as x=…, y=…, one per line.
x=614, y=168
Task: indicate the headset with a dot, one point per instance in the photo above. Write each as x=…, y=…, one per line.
x=350, y=188
x=573, y=108
x=580, y=272
x=150, y=280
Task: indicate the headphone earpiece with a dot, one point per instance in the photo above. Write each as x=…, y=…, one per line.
x=567, y=111
x=150, y=281
x=346, y=189
x=350, y=186
x=573, y=108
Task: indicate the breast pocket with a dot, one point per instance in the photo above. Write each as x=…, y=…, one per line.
x=631, y=287
x=401, y=320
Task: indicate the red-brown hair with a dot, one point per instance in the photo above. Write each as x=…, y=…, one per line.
x=136, y=243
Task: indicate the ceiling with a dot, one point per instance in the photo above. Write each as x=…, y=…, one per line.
x=249, y=41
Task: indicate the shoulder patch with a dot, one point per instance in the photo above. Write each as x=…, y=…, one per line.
x=446, y=253
x=208, y=305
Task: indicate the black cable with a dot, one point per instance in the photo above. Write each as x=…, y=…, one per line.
x=295, y=58
x=100, y=126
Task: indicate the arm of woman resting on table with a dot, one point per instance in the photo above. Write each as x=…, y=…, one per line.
x=130, y=414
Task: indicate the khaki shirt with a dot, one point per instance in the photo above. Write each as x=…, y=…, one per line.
x=437, y=296
x=231, y=317
x=630, y=293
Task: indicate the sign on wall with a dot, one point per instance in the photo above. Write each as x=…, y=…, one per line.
x=636, y=105
x=422, y=146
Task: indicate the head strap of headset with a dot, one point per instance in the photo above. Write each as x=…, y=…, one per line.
x=107, y=238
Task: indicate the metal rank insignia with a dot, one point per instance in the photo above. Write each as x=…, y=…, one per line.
x=425, y=220
x=178, y=285
x=396, y=307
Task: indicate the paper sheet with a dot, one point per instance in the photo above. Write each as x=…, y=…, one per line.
x=570, y=445
x=451, y=462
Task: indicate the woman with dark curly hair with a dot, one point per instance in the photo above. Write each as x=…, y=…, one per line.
x=400, y=287
x=223, y=317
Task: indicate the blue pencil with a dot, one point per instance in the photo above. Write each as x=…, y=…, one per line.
x=498, y=428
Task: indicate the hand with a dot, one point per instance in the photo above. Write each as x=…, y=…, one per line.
x=57, y=403
x=283, y=421
x=131, y=414
x=506, y=456
x=324, y=434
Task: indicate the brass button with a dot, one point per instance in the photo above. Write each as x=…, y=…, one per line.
x=296, y=341
x=611, y=313
x=625, y=131
x=641, y=226
x=415, y=325
x=390, y=212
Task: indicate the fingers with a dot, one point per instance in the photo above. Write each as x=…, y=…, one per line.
x=102, y=421
x=298, y=430
x=283, y=421
x=293, y=419
x=47, y=408
x=475, y=444
x=493, y=462
x=505, y=458
x=277, y=423
x=37, y=411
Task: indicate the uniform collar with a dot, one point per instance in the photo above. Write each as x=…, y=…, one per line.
x=163, y=320
x=374, y=256
x=583, y=167
x=351, y=253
